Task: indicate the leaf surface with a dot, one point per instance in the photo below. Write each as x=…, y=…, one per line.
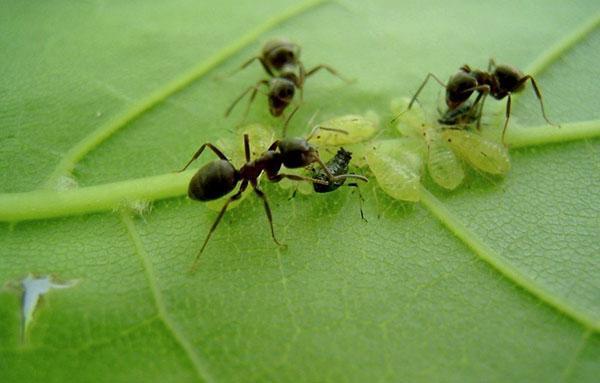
x=497, y=280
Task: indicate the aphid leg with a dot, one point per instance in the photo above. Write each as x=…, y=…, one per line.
x=234, y=197
x=333, y=178
x=199, y=151
x=539, y=96
x=360, y=200
x=330, y=70
x=254, y=90
x=289, y=117
x=429, y=75
x=262, y=196
x=508, y=104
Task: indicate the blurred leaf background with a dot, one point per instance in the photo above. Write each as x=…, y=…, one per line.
x=497, y=281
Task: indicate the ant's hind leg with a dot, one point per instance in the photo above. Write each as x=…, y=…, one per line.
x=250, y=61
x=199, y=151
x=262, y=196
x=330, y=70
x=234, y=197
x=539, y=96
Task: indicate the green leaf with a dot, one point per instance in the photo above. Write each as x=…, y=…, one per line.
x=495, y=281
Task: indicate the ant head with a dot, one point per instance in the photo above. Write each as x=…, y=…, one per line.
x=459, y=88
x=279, y=52
x=297, y=152
x=508, y=78
x=281, y=94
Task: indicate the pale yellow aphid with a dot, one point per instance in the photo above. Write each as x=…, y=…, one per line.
x=397, y=165
x=444, y=166
x=483, y=154
x=409, y=122
x=356, y=128
x=261, y=137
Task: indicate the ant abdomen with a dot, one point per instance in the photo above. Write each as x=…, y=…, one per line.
x=213, y=180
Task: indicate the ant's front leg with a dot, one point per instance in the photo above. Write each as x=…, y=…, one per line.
x=199, y=152
x=254, y=90
x=333, y=178
x=278, y=177
x=429, y=75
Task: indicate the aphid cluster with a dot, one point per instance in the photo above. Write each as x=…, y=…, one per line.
x=442, y=144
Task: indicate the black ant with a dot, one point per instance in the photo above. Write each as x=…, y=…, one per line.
x=337, y=165
x=219, y=177
x=281, y=61
x=499, y=81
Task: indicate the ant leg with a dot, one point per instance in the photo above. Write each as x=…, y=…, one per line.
x=254, y=88
x=491, y=64
x=360, y=200
x=538, y=94
x=429, y=75
x=508, y=103
x=250, y=61
x=262, y=196
x=234, y=197
x=287, y=120
x=479, y=108
x=296, y=177
x=330, y=70
x=199, y=151
x=332, y=178
x=247, y=147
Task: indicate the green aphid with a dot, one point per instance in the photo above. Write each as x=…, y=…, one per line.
x=397, y=165
x=483, y=154
x=345, y=130
x=444, y=166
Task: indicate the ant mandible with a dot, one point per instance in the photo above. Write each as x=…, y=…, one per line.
x=280, y=58
x=219, y=177
x=499, y=81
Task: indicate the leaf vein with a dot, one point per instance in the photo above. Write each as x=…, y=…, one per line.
x=486, y=253
x=199, y=365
